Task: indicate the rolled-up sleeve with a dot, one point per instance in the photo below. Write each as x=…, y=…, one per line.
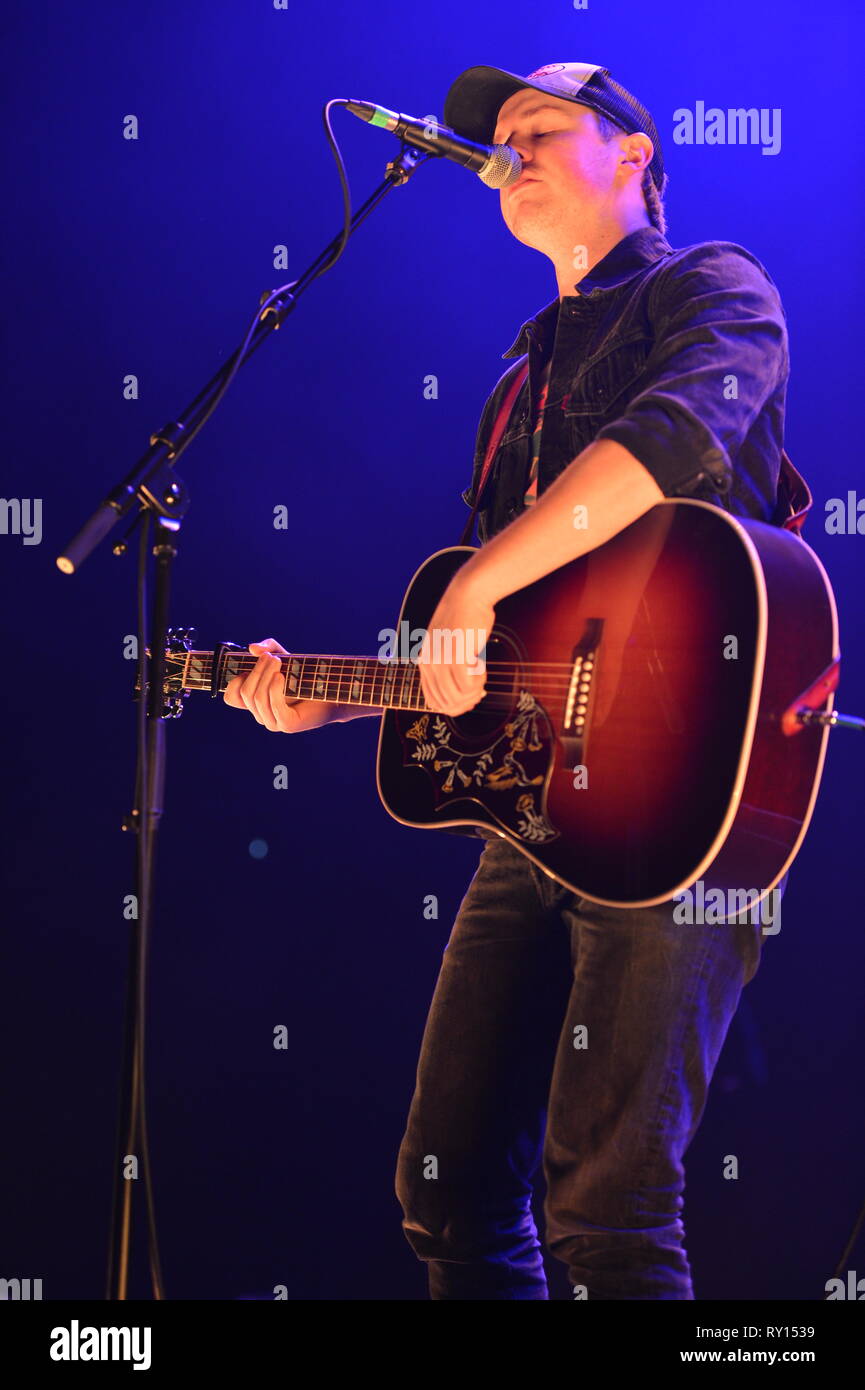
x=720, y=351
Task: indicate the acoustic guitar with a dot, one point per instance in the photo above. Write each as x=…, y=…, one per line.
x=648, y=719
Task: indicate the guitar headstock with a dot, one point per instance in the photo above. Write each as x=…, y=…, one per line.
x=179, y=641
x=178, y=644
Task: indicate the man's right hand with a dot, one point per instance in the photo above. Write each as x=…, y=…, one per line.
x=261, y=692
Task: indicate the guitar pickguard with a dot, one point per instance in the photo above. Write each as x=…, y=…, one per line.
x=508, y=774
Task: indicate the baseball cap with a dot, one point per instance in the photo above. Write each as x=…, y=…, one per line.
x=473, y=102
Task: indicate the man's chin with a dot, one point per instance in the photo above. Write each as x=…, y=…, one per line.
x=531, y=230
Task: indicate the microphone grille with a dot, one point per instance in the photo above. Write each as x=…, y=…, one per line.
x=504, y=166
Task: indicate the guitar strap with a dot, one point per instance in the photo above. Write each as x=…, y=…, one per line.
x=794, y=495
x=496, y=433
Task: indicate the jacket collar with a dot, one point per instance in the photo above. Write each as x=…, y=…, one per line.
x=627, y=258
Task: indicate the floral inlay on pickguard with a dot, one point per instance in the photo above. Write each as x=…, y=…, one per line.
x=517, y=757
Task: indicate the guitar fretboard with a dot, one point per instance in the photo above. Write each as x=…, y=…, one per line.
x=336, y=680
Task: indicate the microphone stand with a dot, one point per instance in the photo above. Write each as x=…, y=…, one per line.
x=163, y=501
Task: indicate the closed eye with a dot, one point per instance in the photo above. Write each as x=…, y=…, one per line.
x=533, y=135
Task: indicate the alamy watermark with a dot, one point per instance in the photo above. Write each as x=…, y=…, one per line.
x=700, y=906
x=460, y=646
x=22, y=516
x=77, y=1343
x=736, y=126
x=20, y=1290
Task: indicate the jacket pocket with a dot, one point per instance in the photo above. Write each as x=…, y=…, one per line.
x=604, y=381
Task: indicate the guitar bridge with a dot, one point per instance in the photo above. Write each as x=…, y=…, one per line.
x=578, y=704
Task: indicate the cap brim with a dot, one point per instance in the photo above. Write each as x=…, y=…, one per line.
x=475, y=98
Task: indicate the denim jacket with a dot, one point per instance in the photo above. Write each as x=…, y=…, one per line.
x=681, y=356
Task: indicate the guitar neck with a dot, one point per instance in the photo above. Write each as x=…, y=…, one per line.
x=332, y=680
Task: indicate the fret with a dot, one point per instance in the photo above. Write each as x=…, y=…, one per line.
x=356, y=683
x=231, y=668
x=292, y=679
x=369, y=672
x=377, y=677
x=387, y=684
x=195, y=675
x=322, y=669
x=386, y=679
x=307, y=677
x=344, y=682
x=416, y=690
x=401, y=697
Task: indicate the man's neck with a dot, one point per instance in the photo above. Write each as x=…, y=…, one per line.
x=591, y=248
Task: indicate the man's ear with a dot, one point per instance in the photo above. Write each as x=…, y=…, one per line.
x=638, y=151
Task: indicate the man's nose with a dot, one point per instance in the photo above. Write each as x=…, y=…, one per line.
x=524, y=147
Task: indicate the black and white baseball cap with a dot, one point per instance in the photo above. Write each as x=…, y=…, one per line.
x=473, y=102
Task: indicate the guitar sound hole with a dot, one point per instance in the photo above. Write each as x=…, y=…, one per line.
x=499, y=703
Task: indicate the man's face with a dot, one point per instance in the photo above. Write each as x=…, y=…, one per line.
x=569, y=172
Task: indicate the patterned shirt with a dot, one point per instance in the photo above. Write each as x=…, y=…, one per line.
x=531, y=493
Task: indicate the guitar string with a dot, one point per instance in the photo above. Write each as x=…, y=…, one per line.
x=553, y=669
x=499, y=680
x=563, y=670
x=546, y=681
x=248, y=663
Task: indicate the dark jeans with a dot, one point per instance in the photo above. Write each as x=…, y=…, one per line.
x=528, y=967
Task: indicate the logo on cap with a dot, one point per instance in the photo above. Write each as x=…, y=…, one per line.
x=569, y=78
x=545, y=72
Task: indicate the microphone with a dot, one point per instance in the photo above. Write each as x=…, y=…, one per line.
x=495, y=165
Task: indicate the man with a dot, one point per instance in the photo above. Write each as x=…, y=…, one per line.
x=654, y=373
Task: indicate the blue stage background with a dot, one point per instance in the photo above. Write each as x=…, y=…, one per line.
x=147, y=257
